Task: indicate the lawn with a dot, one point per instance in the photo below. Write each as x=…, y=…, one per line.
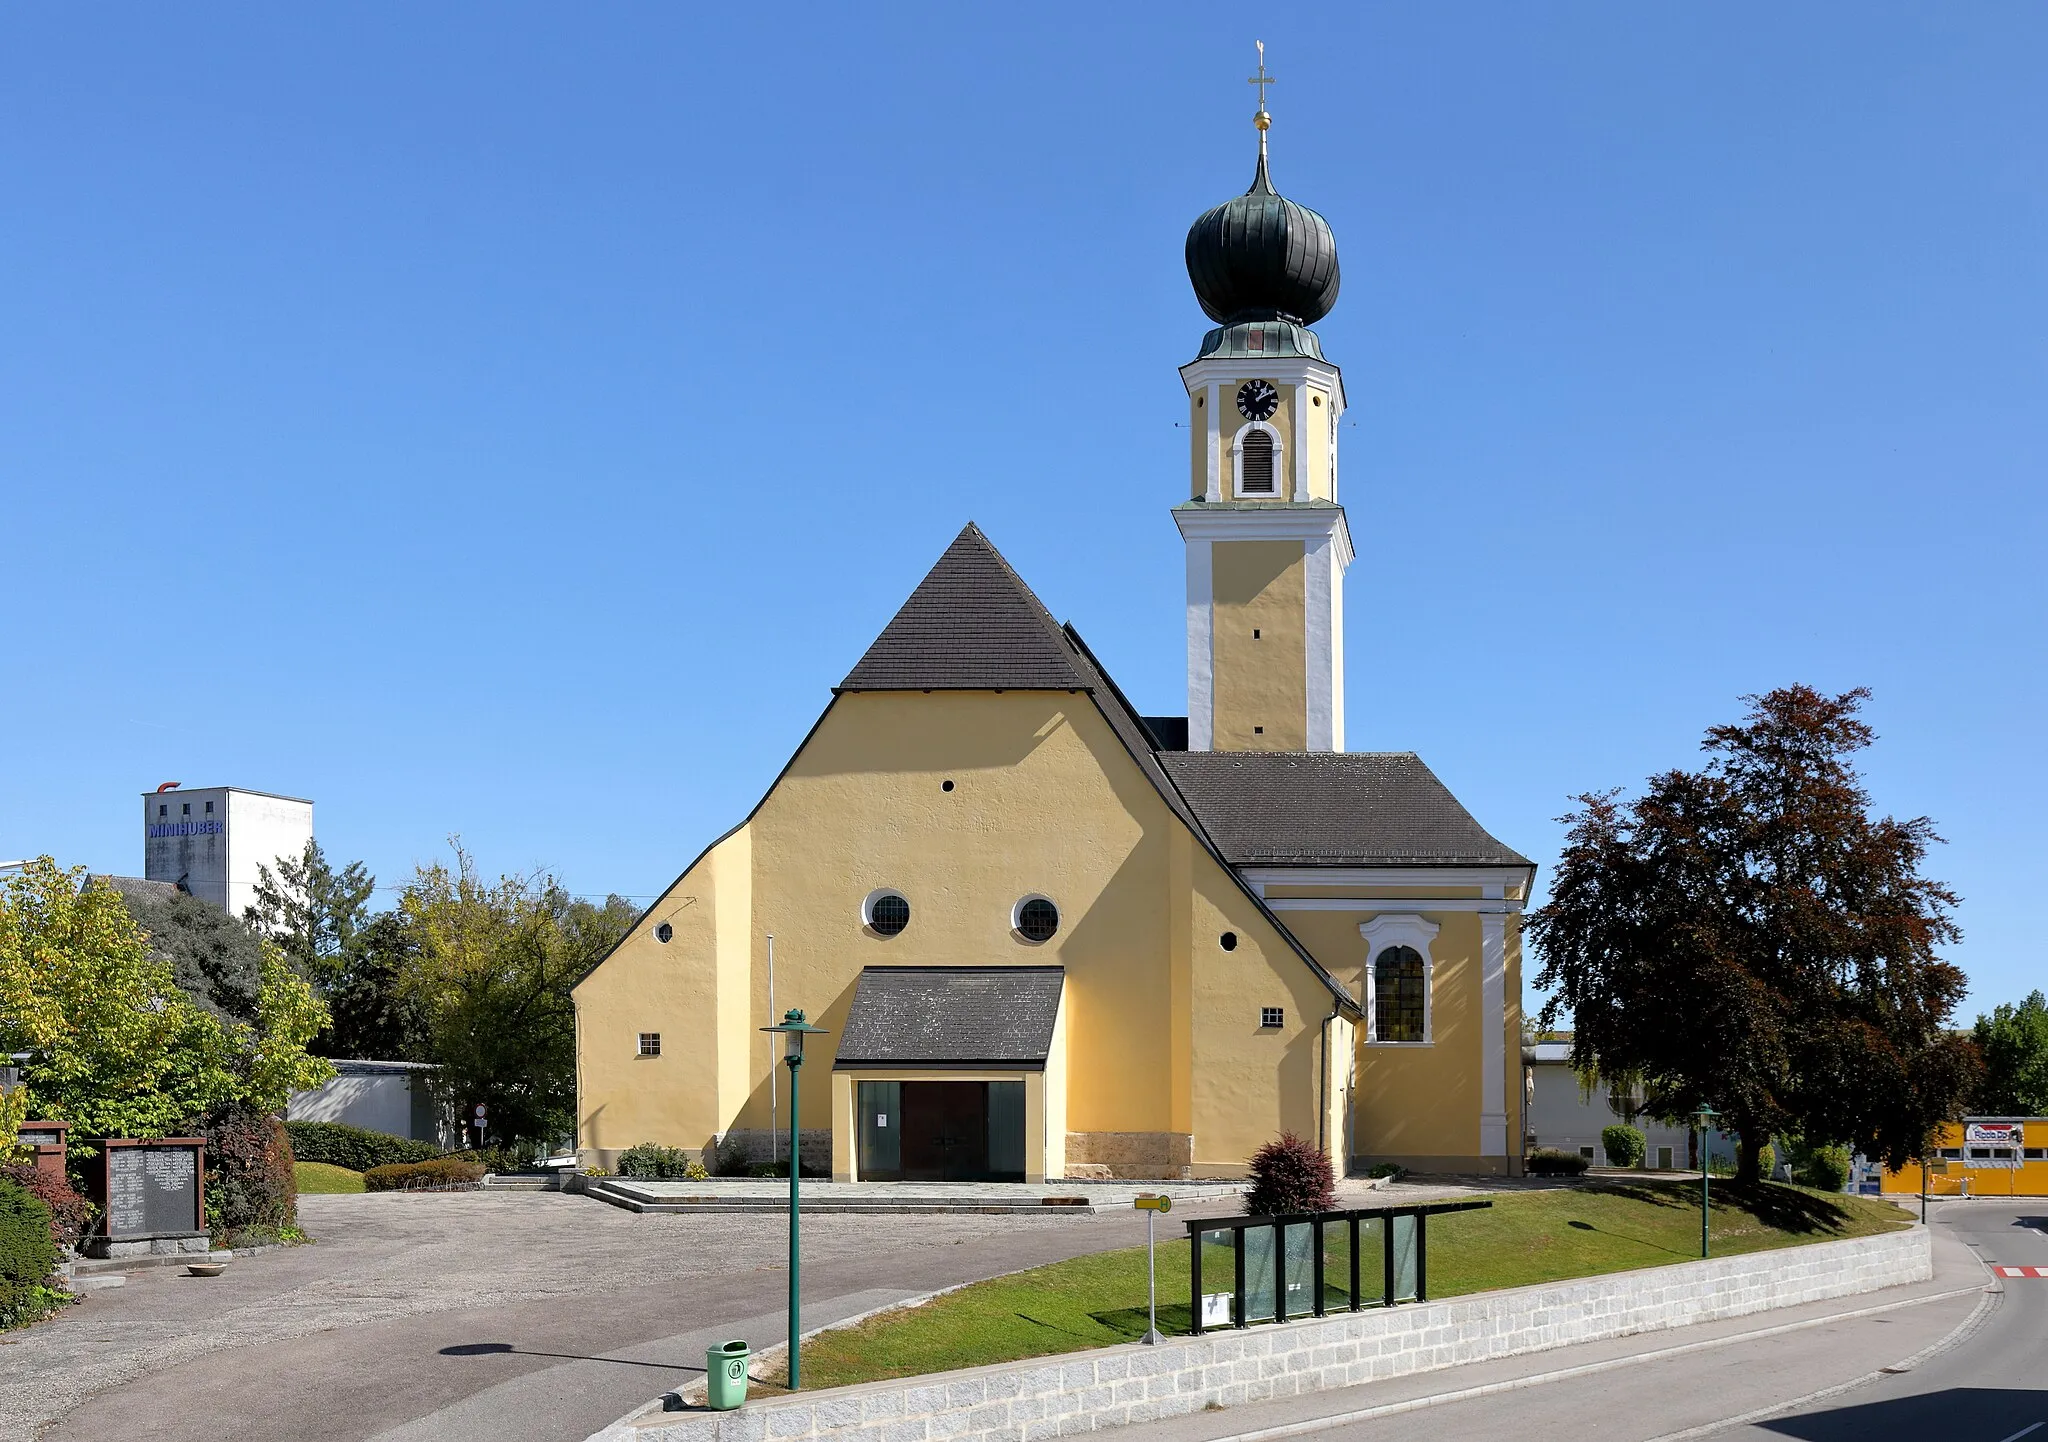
x=318, y=1177
x=1526, y=1237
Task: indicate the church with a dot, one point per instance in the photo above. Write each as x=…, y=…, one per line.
x=1049, y=937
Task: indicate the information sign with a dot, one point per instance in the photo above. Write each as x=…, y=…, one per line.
x=1993, y=1134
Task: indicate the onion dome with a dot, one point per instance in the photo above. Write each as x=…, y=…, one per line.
x=1263, y=257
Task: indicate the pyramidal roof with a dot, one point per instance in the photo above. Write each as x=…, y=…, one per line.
x=971, y=625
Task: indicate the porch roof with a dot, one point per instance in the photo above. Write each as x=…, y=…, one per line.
x=937, y=1016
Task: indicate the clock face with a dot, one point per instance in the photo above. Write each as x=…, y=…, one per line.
x=1257, y=400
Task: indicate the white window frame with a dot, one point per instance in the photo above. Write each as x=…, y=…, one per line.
x=1017, y=918
x=640, y=1050
x=1382, y=933
x=867, y=911
x=1281, y=490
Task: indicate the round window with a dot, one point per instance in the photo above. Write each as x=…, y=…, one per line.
x=1037, y=919
x=664, y=933
x=887, y=912
x=1229, y=941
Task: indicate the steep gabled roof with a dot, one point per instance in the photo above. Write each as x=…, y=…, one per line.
x=971, y=625
x=1331, y=808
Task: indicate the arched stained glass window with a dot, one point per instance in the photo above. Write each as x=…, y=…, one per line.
x=1397, y=994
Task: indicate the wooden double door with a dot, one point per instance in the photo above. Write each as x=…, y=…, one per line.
x=942, y=1131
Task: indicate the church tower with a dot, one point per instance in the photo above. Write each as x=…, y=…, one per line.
x=1267, y=542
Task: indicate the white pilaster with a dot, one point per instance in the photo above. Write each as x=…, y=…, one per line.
x=1201, y=644
x=1212, y=447
x=1336, y=657
x=1318, y=617
x=1301, y=425
x=1493, y=965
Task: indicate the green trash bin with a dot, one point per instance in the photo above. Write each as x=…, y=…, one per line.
x=726, y=1366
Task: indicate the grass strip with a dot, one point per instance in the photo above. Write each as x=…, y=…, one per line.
x=321, y=1178
x=1523, y=1239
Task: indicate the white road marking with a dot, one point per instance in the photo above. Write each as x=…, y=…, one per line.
x=2023, y=1432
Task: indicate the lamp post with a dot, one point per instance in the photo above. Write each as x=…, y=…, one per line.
x=794, y=1029
x=1706, y=1120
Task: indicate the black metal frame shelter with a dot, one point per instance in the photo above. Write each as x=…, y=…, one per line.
x=1319, y=1223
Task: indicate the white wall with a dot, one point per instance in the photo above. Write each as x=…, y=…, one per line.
x=261, y=830
x=1560, y=1117
x=376, y=1103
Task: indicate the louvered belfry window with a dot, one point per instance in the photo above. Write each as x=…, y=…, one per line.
x=1255, y=464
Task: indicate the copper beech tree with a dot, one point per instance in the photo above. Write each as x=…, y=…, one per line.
x=1749, y=936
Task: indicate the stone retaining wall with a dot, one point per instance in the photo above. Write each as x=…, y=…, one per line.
x=1057, y=1396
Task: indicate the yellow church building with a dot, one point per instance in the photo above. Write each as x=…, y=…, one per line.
x=1049, y=937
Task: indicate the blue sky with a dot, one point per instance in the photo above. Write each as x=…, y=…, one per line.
x=510, y=421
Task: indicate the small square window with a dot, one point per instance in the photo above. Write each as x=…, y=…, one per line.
x=1952, y=1153
x=1258, y=730
x=186, y=809
x=209, y=808
x=1586, y=1152
x=650, y=1043
x=1272, y=1016
x=163, y=811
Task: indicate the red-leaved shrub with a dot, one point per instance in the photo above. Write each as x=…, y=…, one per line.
x=252, y=1193
x=69, y=1212
x=1290, y=1177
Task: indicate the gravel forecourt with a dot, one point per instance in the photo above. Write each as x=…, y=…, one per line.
x=512, y=1315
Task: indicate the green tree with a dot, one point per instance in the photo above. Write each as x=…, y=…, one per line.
x=2013, y=1041
x=215, y=959
x=496, y=964
x=115, y=1045
x=313, y=912
x=1750, y=936
x=377, y=1010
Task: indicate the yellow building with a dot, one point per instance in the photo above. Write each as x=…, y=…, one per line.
x=1981, y=1157
x=1050, y=937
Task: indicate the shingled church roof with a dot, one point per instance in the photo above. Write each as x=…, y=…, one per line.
x=971, y=625
x=1331, y=808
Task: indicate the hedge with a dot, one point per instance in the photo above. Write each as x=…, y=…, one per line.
x=358, y=1149
x=69, y=1212
x=440, y=1174
x=1549, y=1162
x=651, y=1162
x=28, y=1257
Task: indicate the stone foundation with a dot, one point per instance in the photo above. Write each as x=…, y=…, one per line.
x=1130, y=1156
x=101, y=1249
x=759, y=1147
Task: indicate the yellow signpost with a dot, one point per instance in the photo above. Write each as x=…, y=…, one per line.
x=1151, y=1207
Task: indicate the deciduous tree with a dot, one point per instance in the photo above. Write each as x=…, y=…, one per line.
x=1750, y=936
x=2013, y=1042
x=115, y=1045
x=497, y=961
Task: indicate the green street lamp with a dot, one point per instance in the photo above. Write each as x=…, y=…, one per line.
x=794, y=1029
x=1706, y=1117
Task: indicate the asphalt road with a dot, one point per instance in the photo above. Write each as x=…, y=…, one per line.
x=1963, y=1358
x=511, y=1316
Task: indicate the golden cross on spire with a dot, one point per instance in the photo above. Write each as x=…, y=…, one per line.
x=1262, y=120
